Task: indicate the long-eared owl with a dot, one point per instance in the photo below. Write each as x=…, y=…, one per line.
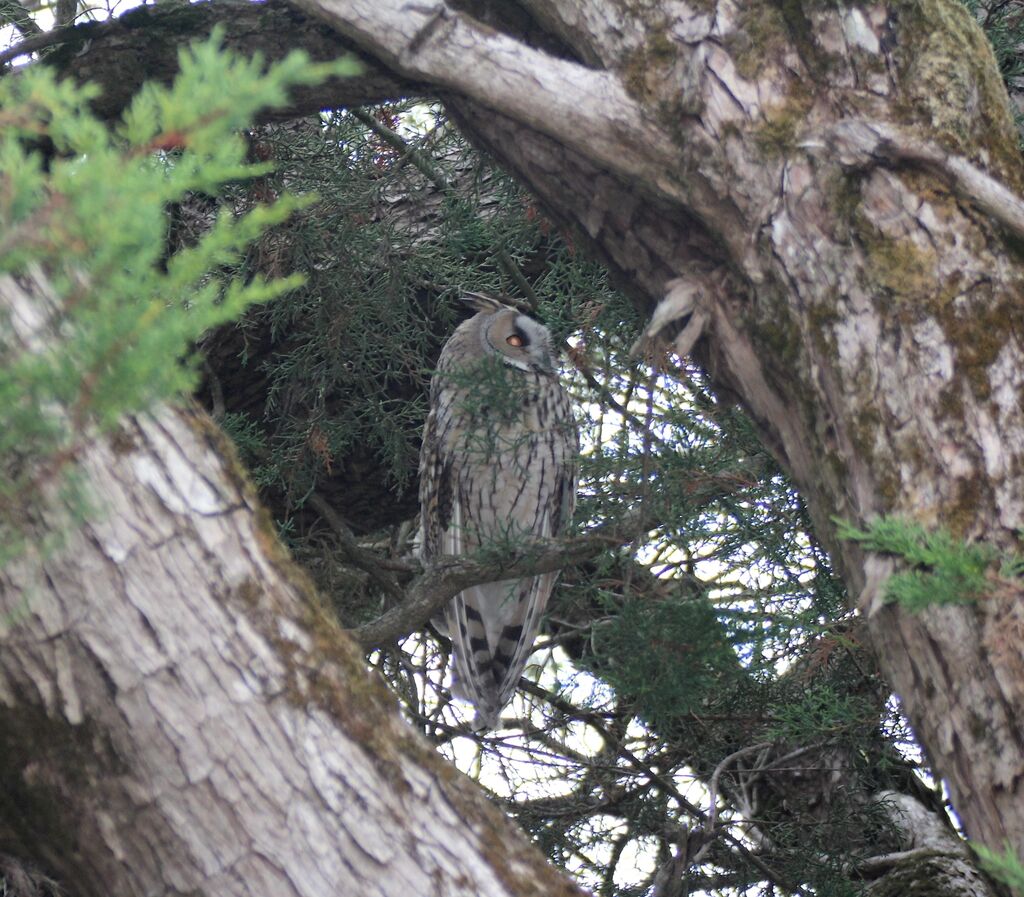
x=498, y=465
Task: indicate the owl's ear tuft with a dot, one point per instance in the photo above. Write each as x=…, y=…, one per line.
x=485, y=302
x=490, y=303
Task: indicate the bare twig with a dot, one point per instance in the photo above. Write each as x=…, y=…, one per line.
x=39, y=40
x=584, y=107
x=397, y=142
x=355, y=554
x=598, y=723
x=717, y=775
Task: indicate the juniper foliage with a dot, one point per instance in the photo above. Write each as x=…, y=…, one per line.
x=938, y=568
x=87, y=204
x=1004, y=866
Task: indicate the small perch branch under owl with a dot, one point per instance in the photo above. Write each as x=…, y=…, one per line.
x=437, y=583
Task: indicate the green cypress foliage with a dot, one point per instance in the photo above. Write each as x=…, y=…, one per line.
x=941, y=569
x=716, y=646
x=347, y=358
x=1004, y=867
x=87, y=205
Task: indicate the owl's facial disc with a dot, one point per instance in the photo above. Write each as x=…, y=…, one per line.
x=522, y=342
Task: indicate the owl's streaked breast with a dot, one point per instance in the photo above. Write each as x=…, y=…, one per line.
x=498, y=465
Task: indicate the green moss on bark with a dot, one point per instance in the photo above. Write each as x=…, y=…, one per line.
x=655, y=73
x=779, y=130
x=895, y=267
x=951, y=84
x=761, y=37
x=978, y=328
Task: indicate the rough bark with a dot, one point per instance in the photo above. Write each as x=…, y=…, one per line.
x=178, y=716
x=798, y=175
x=933, y=859
x=832, y=191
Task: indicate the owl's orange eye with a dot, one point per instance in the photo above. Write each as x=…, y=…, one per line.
x=515, y=340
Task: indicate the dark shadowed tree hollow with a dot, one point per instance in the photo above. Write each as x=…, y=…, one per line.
x=820, y=204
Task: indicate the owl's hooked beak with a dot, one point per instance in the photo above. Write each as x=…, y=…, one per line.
x=531, y=367
x=542, y=365
x=545, y=366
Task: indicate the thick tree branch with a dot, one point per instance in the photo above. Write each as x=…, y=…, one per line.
x=578, y=106
x=859, y=144
x=143, y=44
x=35, y=41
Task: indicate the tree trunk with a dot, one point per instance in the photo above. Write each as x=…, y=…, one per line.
x=830, y=191
x=177, y=715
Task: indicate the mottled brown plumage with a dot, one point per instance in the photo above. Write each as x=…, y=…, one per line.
x=498, y=466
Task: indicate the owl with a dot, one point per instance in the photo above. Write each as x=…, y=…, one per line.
x=498, y=466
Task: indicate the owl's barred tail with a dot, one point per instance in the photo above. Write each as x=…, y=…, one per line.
x=485, y=719
x=488, y=707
